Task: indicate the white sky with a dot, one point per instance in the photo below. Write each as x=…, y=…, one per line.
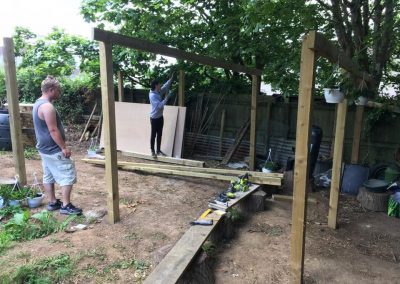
x=40, y=16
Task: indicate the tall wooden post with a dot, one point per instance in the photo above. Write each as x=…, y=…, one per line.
x=181, y=91
x=13, y=108
x=255, y=89
x=355, y=150
x=337, y=164
x=121, y=97
x=221, y=131
x=108, y=104
x=307, y=76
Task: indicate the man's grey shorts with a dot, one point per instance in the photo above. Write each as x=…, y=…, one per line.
x=58, y=169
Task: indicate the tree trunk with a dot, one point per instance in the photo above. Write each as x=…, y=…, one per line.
x=373, y=201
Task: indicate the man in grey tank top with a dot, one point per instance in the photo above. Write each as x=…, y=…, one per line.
x=58, y=167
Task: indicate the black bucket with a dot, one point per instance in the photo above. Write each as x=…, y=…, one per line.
x=5, y=134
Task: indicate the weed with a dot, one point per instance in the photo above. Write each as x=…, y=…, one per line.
x=30, y=153
x=234, y=215
x=49, y=270
x=9, y=210
x=209, y=248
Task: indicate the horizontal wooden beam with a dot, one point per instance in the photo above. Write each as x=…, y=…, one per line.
x=170, y=160
x=325, y=48
x=280, y=197
x=154, y=170
x=156, y=48
x=191, y=169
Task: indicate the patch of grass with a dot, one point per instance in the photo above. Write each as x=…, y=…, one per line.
x=48, y=270
x=132, y=236
x=4, y=153
x=30, y=153
x=23, y=255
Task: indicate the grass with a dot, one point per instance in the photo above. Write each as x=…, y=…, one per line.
x=48, y=270
x=30, y=153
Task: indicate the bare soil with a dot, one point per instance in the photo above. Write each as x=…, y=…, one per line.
x=156, y=210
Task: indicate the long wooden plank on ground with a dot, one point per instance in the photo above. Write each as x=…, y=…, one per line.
x=304, y=114
x=337, y=164
x=238, y=140
x=154, y=170
x=170, y=160
x=174, y=264
x=110, y=145
x=133, y=128
x=157, y=48
x=191, y=169
x=12, y=98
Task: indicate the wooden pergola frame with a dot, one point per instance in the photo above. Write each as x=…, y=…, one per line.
x=316, y=45
x=106, y=41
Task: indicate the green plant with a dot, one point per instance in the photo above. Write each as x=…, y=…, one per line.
x=9, y=210
x=18, y=194
x=233, y=214
x=5, y=191
x=209, y=248
x=30, y=153
x=271, y=165
x=33, y=192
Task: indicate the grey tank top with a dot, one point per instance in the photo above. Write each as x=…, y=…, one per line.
x=45, y=144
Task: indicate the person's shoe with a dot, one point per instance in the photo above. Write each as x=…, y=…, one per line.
x=54, y=206
x=153, y=154
x=70, y=209
x=159, y=153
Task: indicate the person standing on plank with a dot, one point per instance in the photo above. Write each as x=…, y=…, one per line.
x=58, y=167
x=156, y=114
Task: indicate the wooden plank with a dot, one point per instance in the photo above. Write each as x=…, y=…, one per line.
x=174, y=264
x=87, y=123
x=238, y=140
x=355, y=150
x=120, y=87
x=110, y=143
x=179, y=133
x=12, y=98
x=337, y=164
x=255, y=89
x=267, y=122
x=327, y=49
x=181, y=90
x=304, y=113
x=280, y=197
x=170, y=160
x=156, y=48
x=221, y=131
x=191, y=169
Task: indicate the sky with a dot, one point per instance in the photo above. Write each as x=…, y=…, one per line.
x=40, y=16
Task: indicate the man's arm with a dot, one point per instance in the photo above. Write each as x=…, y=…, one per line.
x=167, y=85
x=157, y=102
x=49, y=115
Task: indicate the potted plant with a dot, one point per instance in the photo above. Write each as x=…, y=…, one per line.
x=92, y=149
x=17, y=196
x=34, y=197
x=269, y=167
x=5, y=191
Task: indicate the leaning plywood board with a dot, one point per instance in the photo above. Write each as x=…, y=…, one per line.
x=180, y=127
x=133, y=128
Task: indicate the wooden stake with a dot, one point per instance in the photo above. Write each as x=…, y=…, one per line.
x=107, y=94
x=121, y=96
x=221, y=131
x=13, y=108
x=87, y=123
x=337, y=164
x=355, y=150
x=238, y=140
x=255, y=87
x=181, y=91
x=306, y=87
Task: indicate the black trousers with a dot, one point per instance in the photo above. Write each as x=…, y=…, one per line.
x=157, y=125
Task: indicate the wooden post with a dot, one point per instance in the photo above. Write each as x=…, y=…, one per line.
x=255, y=87
x=108, y=104
x=13, y=108
x=355, y=150
x=267, y=118
x=181, y=91
x=337, y=164
x=221, y=131
x=307, y=76
x=121, y=96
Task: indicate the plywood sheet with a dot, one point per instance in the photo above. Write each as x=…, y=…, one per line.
x=133, y=128
x=180, y=128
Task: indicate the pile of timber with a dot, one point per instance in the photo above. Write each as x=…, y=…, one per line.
x=209, y=173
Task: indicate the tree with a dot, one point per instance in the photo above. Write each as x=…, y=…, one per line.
x=368, y=32
x=257, y=33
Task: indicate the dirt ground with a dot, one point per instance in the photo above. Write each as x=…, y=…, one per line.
x=156, y=210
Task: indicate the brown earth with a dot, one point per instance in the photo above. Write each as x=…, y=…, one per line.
x=156, y=210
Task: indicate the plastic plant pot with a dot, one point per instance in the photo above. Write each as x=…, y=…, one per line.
x=35, y=201
x=333, y=96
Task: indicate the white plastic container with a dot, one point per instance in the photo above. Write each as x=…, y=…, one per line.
x=333, y=96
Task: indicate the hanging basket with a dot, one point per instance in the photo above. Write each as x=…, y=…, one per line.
x=361, y=101
x=35, y=201
x=333, y=96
